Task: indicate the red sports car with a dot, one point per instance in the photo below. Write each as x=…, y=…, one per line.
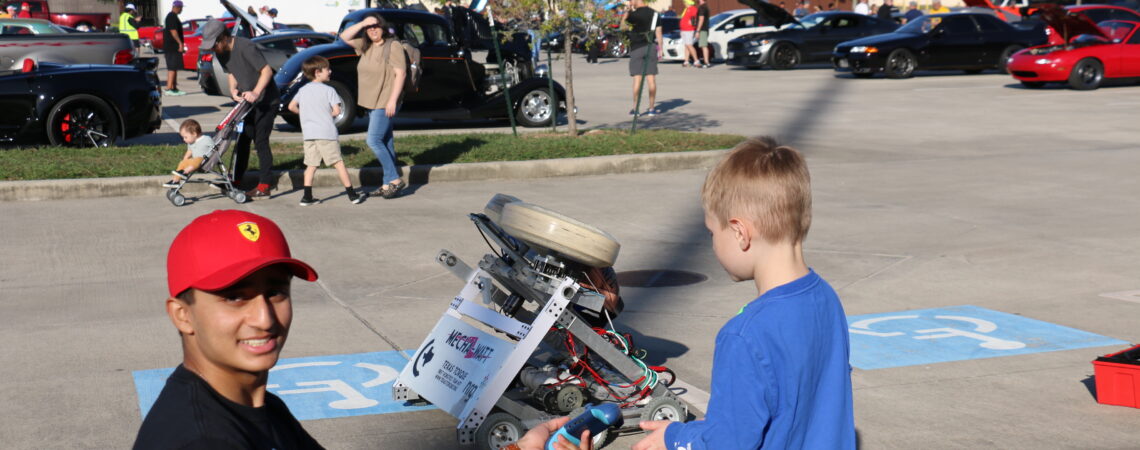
x=1091, y=53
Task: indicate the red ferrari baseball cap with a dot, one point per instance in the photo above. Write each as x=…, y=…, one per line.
x=220, y=248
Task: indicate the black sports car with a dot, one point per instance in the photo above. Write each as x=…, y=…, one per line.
x=965, y=41
x=453, y=86
x=807, y=40
x=79, y=105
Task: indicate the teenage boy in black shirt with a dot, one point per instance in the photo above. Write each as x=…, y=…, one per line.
x=251, y=79
x=172, y=45
x=229, y=274
x=644, y=35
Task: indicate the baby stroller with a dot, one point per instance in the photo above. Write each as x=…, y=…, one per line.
x=213, y=171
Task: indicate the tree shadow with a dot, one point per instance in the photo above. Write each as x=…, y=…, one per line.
x=447, y=152
x=673, y=120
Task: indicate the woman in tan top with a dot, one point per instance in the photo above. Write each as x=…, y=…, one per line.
x=380, y=74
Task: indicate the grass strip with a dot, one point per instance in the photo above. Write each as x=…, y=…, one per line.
x=57, y=162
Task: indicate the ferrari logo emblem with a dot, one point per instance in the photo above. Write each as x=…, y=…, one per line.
x=249, y=230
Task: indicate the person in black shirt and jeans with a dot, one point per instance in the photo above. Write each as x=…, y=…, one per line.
x=172, y=46
x=228, y=274
x=251, y=79
x=644, y=35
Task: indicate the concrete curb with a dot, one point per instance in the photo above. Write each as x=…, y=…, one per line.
x=420, y=174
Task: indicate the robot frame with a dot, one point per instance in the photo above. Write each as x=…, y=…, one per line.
x=543, y=344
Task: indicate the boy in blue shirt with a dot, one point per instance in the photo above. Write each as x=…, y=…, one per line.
x=317, y=104
x=781, y=375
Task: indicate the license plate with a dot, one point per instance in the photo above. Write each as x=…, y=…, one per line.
x=731, y=55
x=843, y=63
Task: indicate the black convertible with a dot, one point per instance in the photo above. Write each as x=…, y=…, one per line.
x=78, y=105
x=454, y=85
x=807, y=40
x=964, y=41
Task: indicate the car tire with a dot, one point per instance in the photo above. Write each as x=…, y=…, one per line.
x=900, y=64
x=1033, y=84
x=293, y=120
x=347, y=108
x=498, y=430
x=1087, y=75
x=82, y=120
x=1003, y=60
x=536, y=108
x=785, y=56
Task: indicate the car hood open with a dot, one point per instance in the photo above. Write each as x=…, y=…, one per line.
x=1068, y=23
x=776, y=15
x=241, y=13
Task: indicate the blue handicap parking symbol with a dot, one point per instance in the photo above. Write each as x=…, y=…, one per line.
x=318, y=387
x=956, y=333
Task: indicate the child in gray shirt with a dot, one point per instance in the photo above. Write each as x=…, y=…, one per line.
x=317, y=104
x=199, y=146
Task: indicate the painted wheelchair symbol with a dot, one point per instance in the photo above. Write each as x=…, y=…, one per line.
x=352, y=398
x=980, y=327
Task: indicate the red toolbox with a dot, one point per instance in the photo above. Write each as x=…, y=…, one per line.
x=1118, y=378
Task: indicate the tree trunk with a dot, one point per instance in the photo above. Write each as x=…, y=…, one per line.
x=571, y=116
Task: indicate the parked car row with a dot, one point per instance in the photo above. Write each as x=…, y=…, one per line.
x=1084, y=46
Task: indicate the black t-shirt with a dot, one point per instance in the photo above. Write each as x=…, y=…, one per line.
x=245, y=62
x=643, y=20
x=703, y=11
x=884, y=12
x=189, y=414
x=175, y=25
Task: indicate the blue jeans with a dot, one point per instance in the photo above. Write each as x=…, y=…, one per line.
x=381, y=142
x=536, y=46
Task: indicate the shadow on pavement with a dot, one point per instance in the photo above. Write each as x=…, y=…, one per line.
x=177, y=112
x=671, y=120
x=1090, y=384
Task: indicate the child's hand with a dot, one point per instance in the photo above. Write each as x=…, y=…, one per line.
x=656, y=438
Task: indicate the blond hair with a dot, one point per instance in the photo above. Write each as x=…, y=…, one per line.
x=766, y=183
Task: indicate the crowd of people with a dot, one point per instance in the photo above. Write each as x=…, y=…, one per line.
x=12, y=11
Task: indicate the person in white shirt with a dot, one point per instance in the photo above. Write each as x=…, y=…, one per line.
x=863, y=8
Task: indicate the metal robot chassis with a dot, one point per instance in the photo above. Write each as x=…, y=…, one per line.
x=521, y=292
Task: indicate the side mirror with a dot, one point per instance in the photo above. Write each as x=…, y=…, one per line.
x=938, y=32
x=729, y=27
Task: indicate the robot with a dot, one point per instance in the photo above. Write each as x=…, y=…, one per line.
x=530, y=336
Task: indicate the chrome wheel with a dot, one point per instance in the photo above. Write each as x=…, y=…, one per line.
x=535, y=108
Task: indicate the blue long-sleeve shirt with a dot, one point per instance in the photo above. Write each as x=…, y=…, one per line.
x=781, y=376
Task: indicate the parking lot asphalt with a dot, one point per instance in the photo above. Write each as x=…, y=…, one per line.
x=938, y=191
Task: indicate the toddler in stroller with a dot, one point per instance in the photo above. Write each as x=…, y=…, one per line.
x=205, y=156
x=199, y=146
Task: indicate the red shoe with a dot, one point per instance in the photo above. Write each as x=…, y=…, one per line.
x=257, y=192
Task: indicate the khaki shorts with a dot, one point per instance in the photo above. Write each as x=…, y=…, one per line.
x=703, y=39
x=191, y=164
x=318, y=149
